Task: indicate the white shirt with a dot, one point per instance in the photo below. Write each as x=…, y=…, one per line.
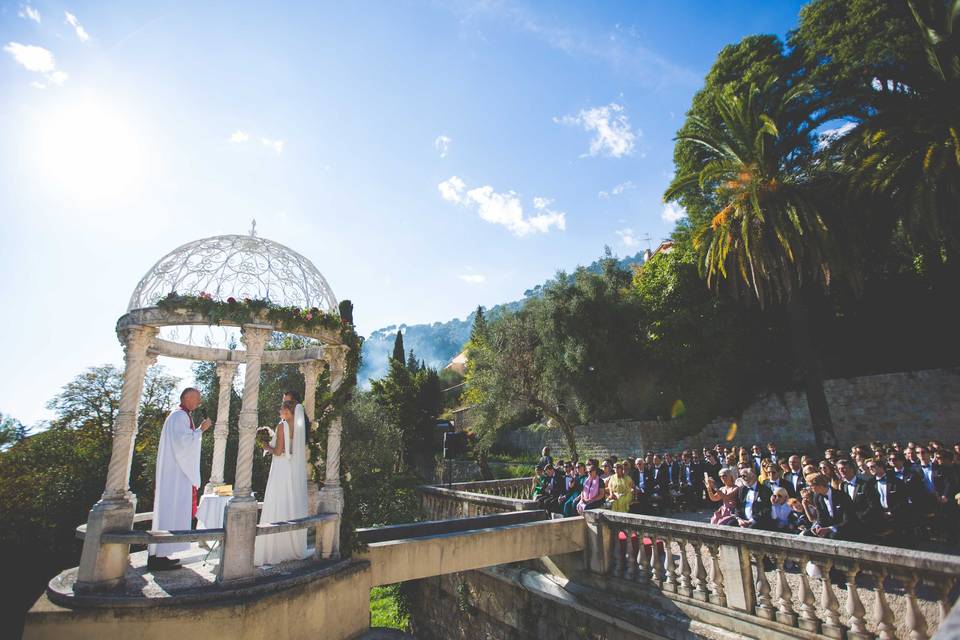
x=748, y=502
x=852, y=487
x=829, y=502
x=882, y=490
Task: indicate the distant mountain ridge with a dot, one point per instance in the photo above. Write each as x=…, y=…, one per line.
x=437, y=343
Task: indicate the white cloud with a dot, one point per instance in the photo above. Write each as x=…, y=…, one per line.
x=617, y=190
x=628, y=238
x=29, y=13
x=276, y=145
x=32, y=58
x=451, y=190
x=503, y=208
x=57, y=77
x=613, y=135
x=71, y=20
x=239, y=136
x=36, y=84
x=473, y=278
x=673, y=212
x=442, y=144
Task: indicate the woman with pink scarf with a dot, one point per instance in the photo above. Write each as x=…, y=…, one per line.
x=593, y=491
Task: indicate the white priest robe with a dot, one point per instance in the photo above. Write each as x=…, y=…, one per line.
x=178, y=472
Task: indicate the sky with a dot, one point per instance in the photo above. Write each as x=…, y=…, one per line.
x=426, y=156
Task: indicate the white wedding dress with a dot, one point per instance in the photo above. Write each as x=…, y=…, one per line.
x=285, y=497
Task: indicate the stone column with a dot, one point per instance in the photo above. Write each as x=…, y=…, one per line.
x=225, y=372
x=310, y=371
x=103, y=566
x=240, y=518
x=331, y=496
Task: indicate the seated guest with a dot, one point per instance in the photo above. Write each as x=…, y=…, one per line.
x=772, y=452
x=756, y=458
x=727, y=495
x=799, y=522
x=619, y=489
x=794, y=477
x=774, y=481
x=691, y=481
x=592, y=495
x=835, y=517
x=850, y=481
x=943, y=461
x=658, y=487
x=549, y=490
x=606, y=470
x=753, y=501
x=573, y=493
x=780, y=511
x=639, y=476
x=826, y=468
x=882, y=506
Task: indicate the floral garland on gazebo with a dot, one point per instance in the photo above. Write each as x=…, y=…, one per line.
x=290, y=320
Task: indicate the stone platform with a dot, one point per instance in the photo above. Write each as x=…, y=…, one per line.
x=193, y=583
x=291, y=600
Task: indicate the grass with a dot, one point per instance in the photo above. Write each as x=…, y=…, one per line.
x=386, y=610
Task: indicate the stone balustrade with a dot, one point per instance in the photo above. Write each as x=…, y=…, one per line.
x=468, y=499
x=789, y=585
x=773, y=584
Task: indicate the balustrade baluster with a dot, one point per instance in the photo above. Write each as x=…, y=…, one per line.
x=828, y=600
x=718, y=595
x=669, y=564
x=855, y=610
x=685, y=585
x=882, y=614
x=702, y=590
x=943, y=602
x=659, y=562
x=631, y=572
x=644, y=575
x=808, y=610
x=616, y=553
x=785, y=613
x=916, y=622
x=764, y=608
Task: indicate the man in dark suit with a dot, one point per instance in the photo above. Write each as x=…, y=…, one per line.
x=691, y=481
x=774, y=479
x=659, y=487
x=794, y=478
x=835, y=514
x=756, y=458
x=882, y=504
x=753, y=502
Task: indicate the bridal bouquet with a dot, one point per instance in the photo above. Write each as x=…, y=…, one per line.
x=264, y=436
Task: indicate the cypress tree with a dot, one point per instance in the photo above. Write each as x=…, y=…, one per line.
x=399, y=354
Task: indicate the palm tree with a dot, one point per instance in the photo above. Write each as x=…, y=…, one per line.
x=907, y=153
x=769, y=238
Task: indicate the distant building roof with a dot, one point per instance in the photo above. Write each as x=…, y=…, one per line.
x=459, y=363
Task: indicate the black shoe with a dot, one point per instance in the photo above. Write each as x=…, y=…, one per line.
x=158, y=563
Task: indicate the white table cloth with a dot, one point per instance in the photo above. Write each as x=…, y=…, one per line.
x=210, y=511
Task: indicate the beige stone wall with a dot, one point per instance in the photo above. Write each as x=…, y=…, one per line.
x=918, y=405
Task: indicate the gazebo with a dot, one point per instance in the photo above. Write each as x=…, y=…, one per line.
x=257, y=286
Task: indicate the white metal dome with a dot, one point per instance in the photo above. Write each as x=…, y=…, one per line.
x=238, y=267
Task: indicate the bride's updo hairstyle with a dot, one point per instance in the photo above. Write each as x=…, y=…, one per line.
x=293, y=394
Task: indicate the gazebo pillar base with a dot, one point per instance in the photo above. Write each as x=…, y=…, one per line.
x=102, y=567
x=240, y=523
x=330, y=501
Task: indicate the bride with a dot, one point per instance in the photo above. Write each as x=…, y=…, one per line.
x=286, y=494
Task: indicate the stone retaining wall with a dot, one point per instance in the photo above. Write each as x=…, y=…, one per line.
x=916, y=405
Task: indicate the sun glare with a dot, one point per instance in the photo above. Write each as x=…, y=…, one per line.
x=90, y=153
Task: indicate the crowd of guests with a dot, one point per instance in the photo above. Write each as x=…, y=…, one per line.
x=884, y=493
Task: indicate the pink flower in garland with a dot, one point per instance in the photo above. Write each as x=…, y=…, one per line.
x=309, y=317
x=231, y=300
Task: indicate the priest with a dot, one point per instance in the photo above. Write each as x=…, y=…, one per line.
x=177, y=479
